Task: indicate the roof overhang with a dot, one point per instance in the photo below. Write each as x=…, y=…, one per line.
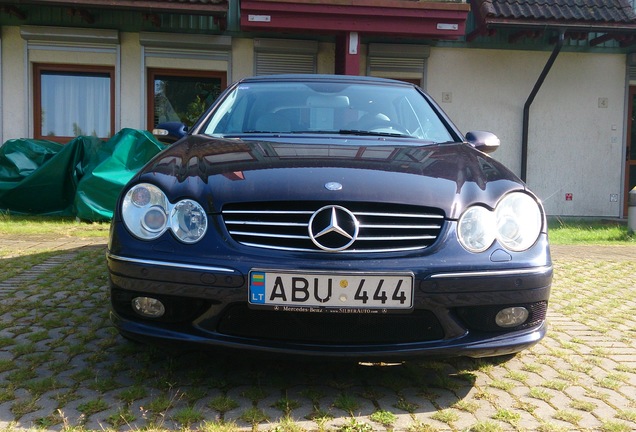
x=624, y=33
x=577, y=22
x=438, y=20
x=576, y=26
x=210, y=7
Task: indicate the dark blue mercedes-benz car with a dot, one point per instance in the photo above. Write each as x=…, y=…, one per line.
x=330, y=216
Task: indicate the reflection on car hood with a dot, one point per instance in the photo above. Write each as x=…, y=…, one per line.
x=217, y=171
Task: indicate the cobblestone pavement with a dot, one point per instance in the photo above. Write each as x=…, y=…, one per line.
x=63, y=367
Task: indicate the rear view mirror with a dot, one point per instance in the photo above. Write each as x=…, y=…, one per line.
x=486, y=142
x=169, y=132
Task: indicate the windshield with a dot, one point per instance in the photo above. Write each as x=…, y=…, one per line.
x=327, y=107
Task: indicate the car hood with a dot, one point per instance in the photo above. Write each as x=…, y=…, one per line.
x=217, y=171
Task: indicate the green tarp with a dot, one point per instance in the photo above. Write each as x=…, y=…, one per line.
x=82, y=178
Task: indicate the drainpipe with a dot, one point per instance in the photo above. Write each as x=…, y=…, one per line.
x=526, y=107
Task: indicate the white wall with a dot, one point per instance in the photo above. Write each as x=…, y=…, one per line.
x=242, y=59
x=132, y=90
x=14, y=88
x=575, y=147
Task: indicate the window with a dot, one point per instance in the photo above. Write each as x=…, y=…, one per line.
x=72, y=100
x=181, y=95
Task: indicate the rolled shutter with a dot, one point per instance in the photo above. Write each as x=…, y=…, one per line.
x=282, y=56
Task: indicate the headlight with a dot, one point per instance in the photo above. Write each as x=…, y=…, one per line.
x=516, y=222
x=147, y=214
x=188, y=221
x=477, y=229
x=145, y=211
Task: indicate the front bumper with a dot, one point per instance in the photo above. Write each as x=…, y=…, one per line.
x=462, y=305
x=470, y=346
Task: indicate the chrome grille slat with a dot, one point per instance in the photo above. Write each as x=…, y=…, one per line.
x=371, y=226
x=257, y=234
x=402, y=215
x=395, y=238
x=268, y=212
x=252, y=223
x=285, y=226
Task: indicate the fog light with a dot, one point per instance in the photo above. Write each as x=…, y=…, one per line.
x=148, y=307
x=512, y=316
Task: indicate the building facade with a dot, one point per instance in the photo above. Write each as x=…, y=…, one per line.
x=556, y=84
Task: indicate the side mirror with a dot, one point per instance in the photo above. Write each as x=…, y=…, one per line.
x=169, y=132
x=486, y=142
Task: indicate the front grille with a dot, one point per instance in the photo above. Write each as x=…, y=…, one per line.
x=330, y=328
x=285, y=226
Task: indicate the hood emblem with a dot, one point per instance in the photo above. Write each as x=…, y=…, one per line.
x=333, y=186
x=333, y=228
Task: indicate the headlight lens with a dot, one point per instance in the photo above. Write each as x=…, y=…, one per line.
x=477, y=229
x=516, y=222
x=188, y=221
x=145, y=211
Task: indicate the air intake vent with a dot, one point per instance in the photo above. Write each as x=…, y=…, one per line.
x=285, y=225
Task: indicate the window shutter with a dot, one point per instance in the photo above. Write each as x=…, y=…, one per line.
x=393, y=60
x=203, y=47
x=631, y=66
x=281, y=56
x=49, y=36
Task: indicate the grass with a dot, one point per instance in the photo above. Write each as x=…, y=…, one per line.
x=589, y=231
x=40, y=226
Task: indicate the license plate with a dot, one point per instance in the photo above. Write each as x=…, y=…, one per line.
x=336, y=292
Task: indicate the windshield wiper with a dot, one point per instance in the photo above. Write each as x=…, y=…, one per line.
x=372, y=133
x=335, y=132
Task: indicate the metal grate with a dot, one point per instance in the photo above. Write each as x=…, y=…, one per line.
x=285, y=226
x=321, y=328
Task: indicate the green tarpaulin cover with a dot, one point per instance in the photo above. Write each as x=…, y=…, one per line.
x=82, y=178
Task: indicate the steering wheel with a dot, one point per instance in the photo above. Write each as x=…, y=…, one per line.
x=388, y=127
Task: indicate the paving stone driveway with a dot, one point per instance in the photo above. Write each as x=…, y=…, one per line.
x=63, y=367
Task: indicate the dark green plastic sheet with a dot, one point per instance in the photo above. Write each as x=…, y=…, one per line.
x=82, y=178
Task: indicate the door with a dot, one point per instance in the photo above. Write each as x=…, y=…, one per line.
x=630, y=158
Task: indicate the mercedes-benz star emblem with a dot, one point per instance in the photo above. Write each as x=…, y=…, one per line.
x=333, y=186
x=333, y=228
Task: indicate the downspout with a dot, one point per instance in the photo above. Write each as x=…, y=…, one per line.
x=533, y=94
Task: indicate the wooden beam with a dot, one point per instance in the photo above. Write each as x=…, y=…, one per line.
x=532, y=34
x=479, y=31
x=602, y=39
x=13, y=10
x=84, y=15
x=152, y=18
